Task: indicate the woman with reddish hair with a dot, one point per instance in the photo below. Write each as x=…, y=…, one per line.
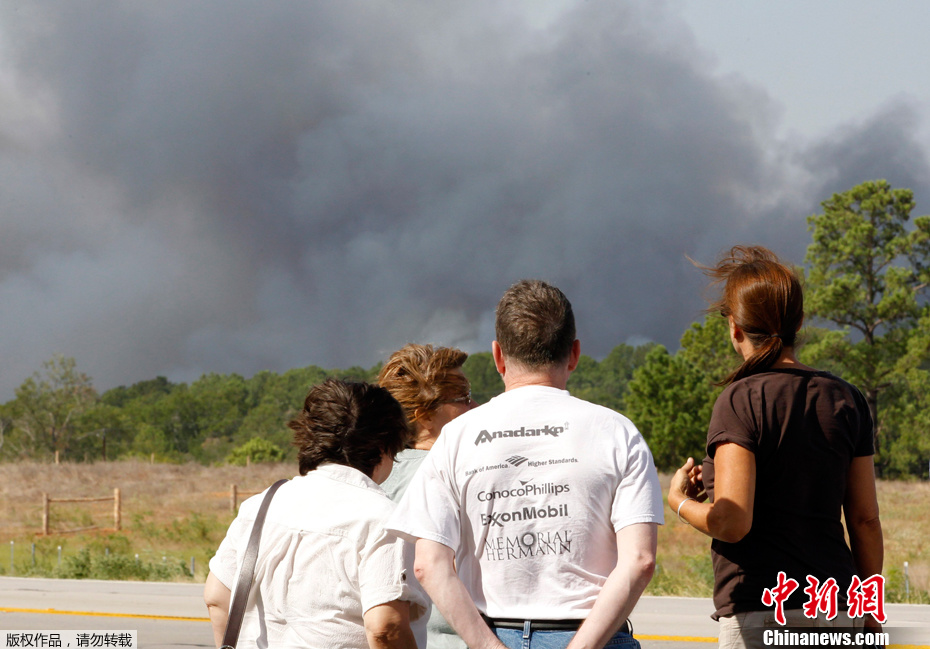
x=789, y=453
x=430, y=386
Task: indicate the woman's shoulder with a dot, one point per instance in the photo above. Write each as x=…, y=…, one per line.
x=791, y=379
x=786, y=374
x=772, y=380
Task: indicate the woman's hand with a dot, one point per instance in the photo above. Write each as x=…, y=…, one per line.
x=688, y=482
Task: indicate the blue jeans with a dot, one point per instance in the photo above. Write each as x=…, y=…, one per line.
x=515, y=639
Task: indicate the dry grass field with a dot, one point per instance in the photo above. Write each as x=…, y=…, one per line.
x=171, y=513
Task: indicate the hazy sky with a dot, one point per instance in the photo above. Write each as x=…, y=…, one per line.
x=236, y=186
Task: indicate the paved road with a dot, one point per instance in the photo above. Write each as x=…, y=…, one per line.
x=173, y=615
x=165, y=615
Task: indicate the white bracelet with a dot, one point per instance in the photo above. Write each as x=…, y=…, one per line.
x=679, y=510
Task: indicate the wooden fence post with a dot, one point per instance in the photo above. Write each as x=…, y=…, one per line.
x=44, y=514
x=233, y=498
x=117, y=510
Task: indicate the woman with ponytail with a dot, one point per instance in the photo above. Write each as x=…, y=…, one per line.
x=789, y=454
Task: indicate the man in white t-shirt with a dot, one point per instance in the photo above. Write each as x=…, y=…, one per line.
x=535, y=515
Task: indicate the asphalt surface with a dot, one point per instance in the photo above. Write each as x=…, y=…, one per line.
x=173, y=615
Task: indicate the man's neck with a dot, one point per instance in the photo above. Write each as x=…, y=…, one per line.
x=557, y=378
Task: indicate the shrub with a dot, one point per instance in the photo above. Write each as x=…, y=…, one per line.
x=88, y=565
x=256, y=449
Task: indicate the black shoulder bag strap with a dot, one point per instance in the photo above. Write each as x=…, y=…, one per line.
x=241, y=597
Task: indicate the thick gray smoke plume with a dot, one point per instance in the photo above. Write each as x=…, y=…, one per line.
x=235, y=186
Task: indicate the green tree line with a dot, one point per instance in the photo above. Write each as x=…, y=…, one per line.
x=866, y=277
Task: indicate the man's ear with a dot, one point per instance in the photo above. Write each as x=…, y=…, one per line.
x=574, y=355
x=498, y=354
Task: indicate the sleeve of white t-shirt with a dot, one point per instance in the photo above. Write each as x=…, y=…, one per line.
x=638, y=498
x=429, y=508
x=383, y=577
x=224, y=564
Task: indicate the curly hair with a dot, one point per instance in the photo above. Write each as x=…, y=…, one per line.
x=347, y=423
x=421, y=377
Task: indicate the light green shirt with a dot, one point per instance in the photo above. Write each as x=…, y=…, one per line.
x=439, y=634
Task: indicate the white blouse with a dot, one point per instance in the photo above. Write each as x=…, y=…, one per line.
x=324, y=560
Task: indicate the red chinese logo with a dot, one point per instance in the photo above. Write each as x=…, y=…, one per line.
x=777, y=596
x=821, y=599
x=865, y=597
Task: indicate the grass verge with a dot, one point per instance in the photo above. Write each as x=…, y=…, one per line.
x=174, y=517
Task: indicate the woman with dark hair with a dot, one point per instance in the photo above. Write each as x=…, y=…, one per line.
x=789, y=453
x=429, y=384
x=327, y=574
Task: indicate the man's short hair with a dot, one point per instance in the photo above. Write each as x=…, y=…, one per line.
x=535, y=325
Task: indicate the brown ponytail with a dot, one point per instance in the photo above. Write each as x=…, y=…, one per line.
x=764, y=298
